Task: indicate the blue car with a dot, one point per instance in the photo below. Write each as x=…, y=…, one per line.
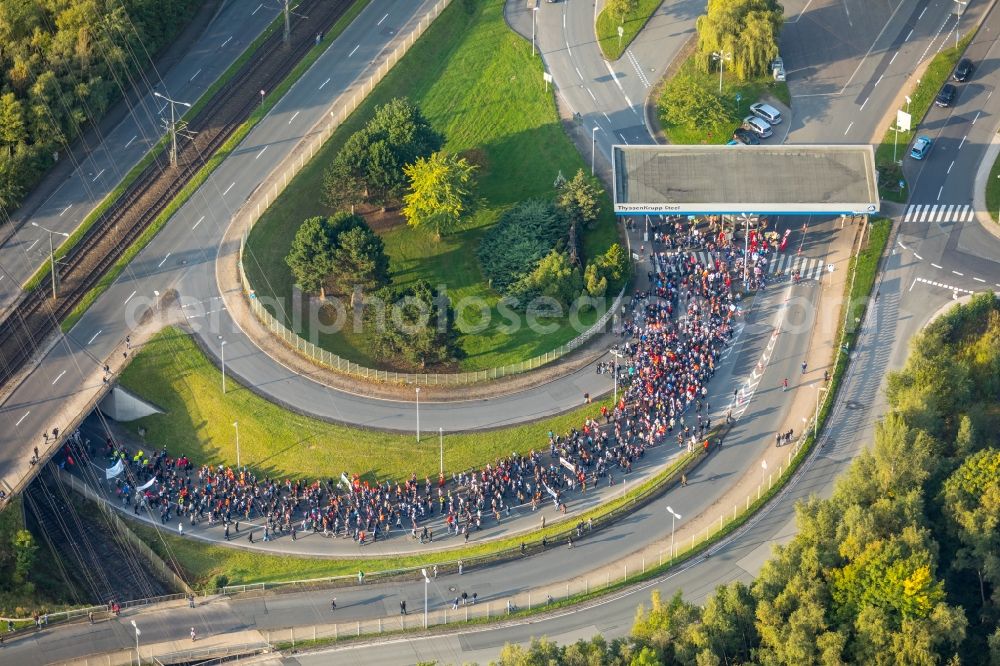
x=921, y=147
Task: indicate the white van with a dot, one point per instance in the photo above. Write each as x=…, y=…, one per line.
x=767, y=112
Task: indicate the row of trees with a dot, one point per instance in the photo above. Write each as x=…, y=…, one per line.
x=900, y=566
x=63, y=63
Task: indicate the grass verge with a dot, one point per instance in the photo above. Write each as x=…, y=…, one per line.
x=478, y=84
x=688, y=75
x=607, y=27
x=171, y=371
x=220, y=155
x=890, y=174
x=993, y=190
x=201, y=563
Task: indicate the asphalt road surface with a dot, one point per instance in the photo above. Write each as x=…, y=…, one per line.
x=219, y=45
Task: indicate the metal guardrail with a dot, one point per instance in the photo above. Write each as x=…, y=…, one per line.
x=269, y=192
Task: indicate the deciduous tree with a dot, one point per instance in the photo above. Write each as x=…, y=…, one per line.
x=440, y=192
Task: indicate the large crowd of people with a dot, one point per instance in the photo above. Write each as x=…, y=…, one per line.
x=672, y=334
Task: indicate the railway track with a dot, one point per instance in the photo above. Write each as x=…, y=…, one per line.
x=37, y=315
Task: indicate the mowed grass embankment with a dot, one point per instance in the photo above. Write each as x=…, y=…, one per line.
x=479, y=85
x=172, y=372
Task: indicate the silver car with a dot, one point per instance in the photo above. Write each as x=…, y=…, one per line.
x=758, y=126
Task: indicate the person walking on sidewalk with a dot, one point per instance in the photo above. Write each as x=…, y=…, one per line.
x=803, y=367
x=402, y=607
x=784, y=384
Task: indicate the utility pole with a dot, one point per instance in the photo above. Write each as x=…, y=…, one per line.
x=288, y=28
x=173, y=127
x=52, y=257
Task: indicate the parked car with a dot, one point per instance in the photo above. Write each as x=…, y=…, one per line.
x=758, y=126
x=921, y=147
x=767, y=112
x=946, y=96
x=778, y=69
x=745, y=136
x=963, y=70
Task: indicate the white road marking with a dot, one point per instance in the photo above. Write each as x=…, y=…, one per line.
x=129, y=298
x=258, y=155
x=962, y=142
x=959, y=274
x=131, y=140
x=608, y=117
x=323, y=84
x=65, y=209
x=578, y=73
x=628, y=101
x=294, y=115
x=592, y=95
x=950, y=166
x=198, y=222
x=849, y=128
x=976, y=118
x=918, y=256
x=880, y=78
x=194, y=75
x=58, y=377
x=382, y=19
x=353, y=50
x=167, y=256
x=228, y=188
x=226, y=42
x=98, y=175
x=922, y=14
x=939, y=192
x=33, y=245
x=22, y=418
x=908, y=35
x=256, y=10
x=94, y=337
x=979, y=280
x=935, y=266
x=622, y=137
x=863, y=104
x=894, y=57
x=913, y=284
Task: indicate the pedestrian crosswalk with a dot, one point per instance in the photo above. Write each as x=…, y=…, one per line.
x=939, y=213
x=782, y=264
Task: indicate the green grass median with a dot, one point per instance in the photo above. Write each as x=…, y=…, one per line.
x=613, y=46
x=478, y=84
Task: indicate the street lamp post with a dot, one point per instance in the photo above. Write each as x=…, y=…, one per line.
x=52, y=256
x=138, y=659
x=534, y=12
x=820, y=389
x=418, y=413
x=236, y=424
x=746, y=245
x=223, y=353
x=593, y=148
x=674, y=516
x=721, y=57
x=427, y=581
x=173, y=125
x=958, y=17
